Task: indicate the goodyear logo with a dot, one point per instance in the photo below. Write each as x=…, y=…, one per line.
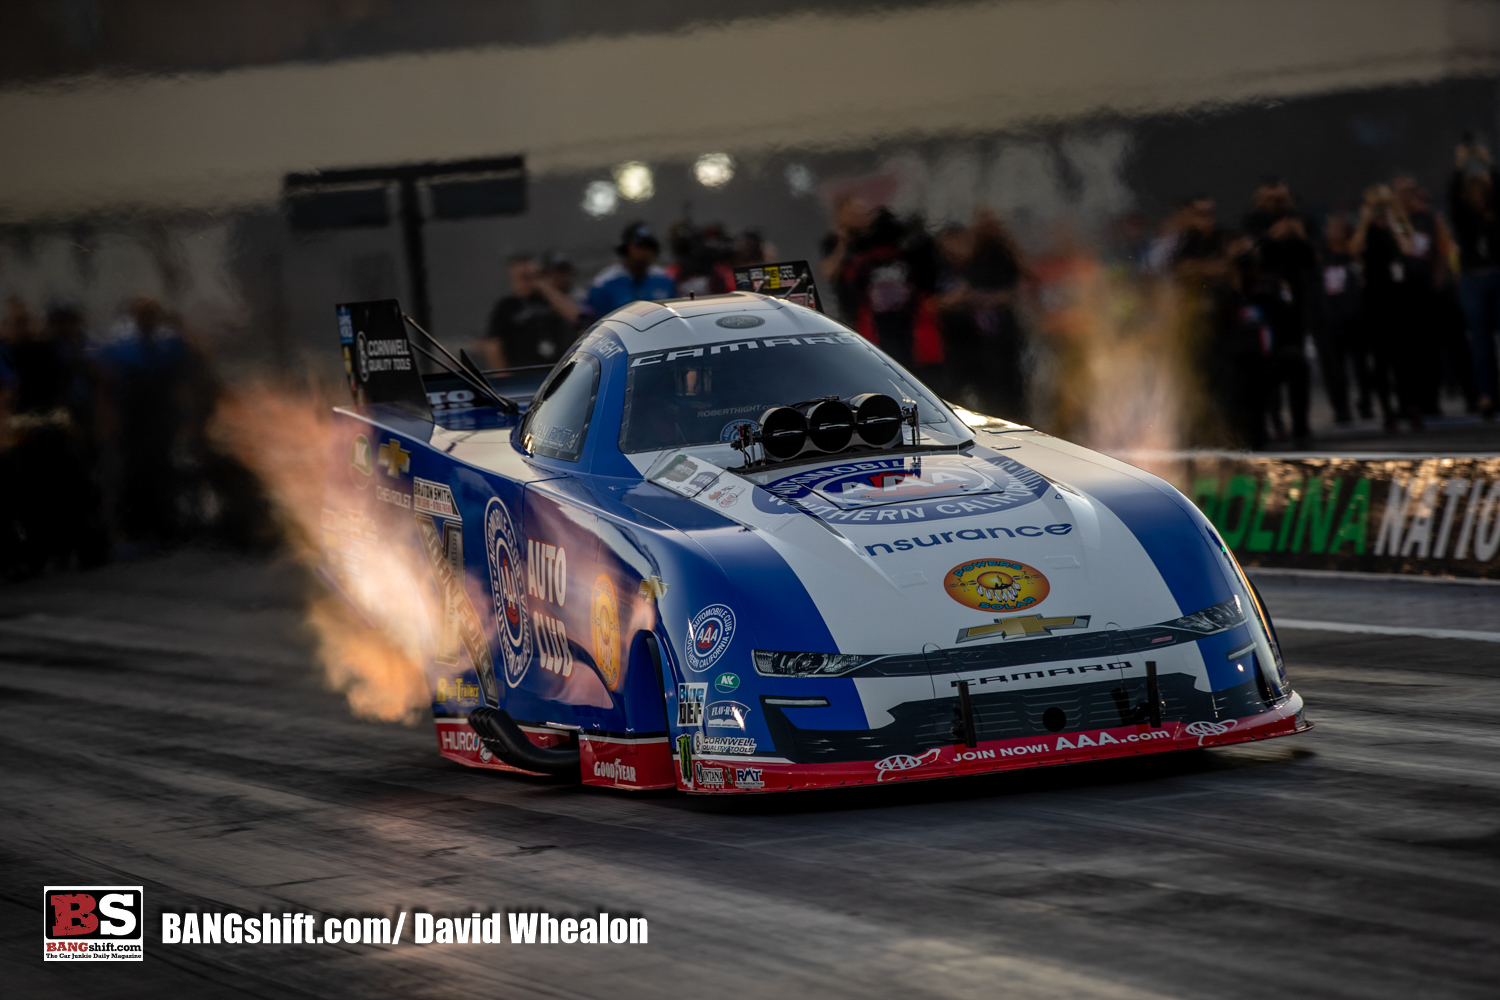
x=996, y=585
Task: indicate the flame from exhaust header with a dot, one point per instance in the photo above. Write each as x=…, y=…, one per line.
x=1121, y=378
x=282, y=437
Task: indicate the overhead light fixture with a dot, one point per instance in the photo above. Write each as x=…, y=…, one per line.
x=799, y=179
x=635, y=181
x=600, y=198
x=714, y=169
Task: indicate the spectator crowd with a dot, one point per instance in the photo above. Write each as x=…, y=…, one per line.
x=104, y=443
x=1392, y=304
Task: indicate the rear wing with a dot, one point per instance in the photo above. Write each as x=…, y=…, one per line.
x=791, y=280
x=380, y=360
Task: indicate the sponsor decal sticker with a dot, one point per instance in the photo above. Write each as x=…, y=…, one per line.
x=394, y=459
x=362, y=356
x=965, y=535
x=505, y=584
x=1205, y=728
x=996, y=585
x=685, y=758
x=93, y=923
x=614, y=771
x=739, y=321
x=731, y=430
x=708, y=776
x=393, y=497
x=685, y=475
x=690, y=699
x=726, y=496
x=547, y=572
x=1022, y=626
x=457, y=689
x=709, y=635
x=604, y=625
x=727, y=715
x=433, y=498
x=748, y=777
x=360, y=463
x=905, y=488
x=723, y=744
x=553, y=648
x=726, y=682
x=904, y=762
x=443, y=544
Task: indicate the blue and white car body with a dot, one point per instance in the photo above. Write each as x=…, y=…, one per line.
x=628, y=594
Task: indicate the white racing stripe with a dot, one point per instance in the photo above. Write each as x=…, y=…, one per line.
x=1358, y=629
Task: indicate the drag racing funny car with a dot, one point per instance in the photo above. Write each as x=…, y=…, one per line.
x=727, y=545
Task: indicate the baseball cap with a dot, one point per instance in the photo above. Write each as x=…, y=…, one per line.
x=638, y=234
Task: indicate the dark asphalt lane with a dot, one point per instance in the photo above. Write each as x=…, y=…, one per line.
x=163, y=723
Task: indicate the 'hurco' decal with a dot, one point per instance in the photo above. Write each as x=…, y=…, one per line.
x=996, y=585
x=905, y=488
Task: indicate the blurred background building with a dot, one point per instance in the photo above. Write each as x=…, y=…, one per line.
x=149, y=143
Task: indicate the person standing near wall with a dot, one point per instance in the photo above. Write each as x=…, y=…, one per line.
x=1474, y=204
x=1383, y=242
x=636, y=277
x=1287, y=258
x=532, y=325
x=1439, y=322
x=1341, y=344
x=879, y=275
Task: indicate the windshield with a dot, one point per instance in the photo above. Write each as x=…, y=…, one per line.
x=700, y=395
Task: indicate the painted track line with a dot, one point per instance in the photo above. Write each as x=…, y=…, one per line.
x=1358, y=629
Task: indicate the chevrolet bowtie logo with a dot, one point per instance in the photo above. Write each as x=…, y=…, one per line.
x=394, y=459
x=652, y=588
x=1022, y=626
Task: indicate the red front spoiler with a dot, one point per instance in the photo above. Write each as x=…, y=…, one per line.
x=723, y=774
x=640, y=764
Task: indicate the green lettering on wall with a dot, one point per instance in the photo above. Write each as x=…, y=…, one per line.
x=1317, y=516
x=1259, y=539
x=1244, y=488
x=1288, y=514
x=1352, y=525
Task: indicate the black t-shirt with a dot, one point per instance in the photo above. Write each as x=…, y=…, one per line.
x=1198, y=245
x=529, y=330
x=1384, y=263
x=1477, y=233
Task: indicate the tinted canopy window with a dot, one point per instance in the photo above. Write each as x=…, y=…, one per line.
x=558, y=420
x=700, y=395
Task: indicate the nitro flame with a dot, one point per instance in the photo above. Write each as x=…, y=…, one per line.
x=1121, y=379
x=282, y=436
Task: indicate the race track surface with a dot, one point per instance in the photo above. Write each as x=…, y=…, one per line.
x=164, y=723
